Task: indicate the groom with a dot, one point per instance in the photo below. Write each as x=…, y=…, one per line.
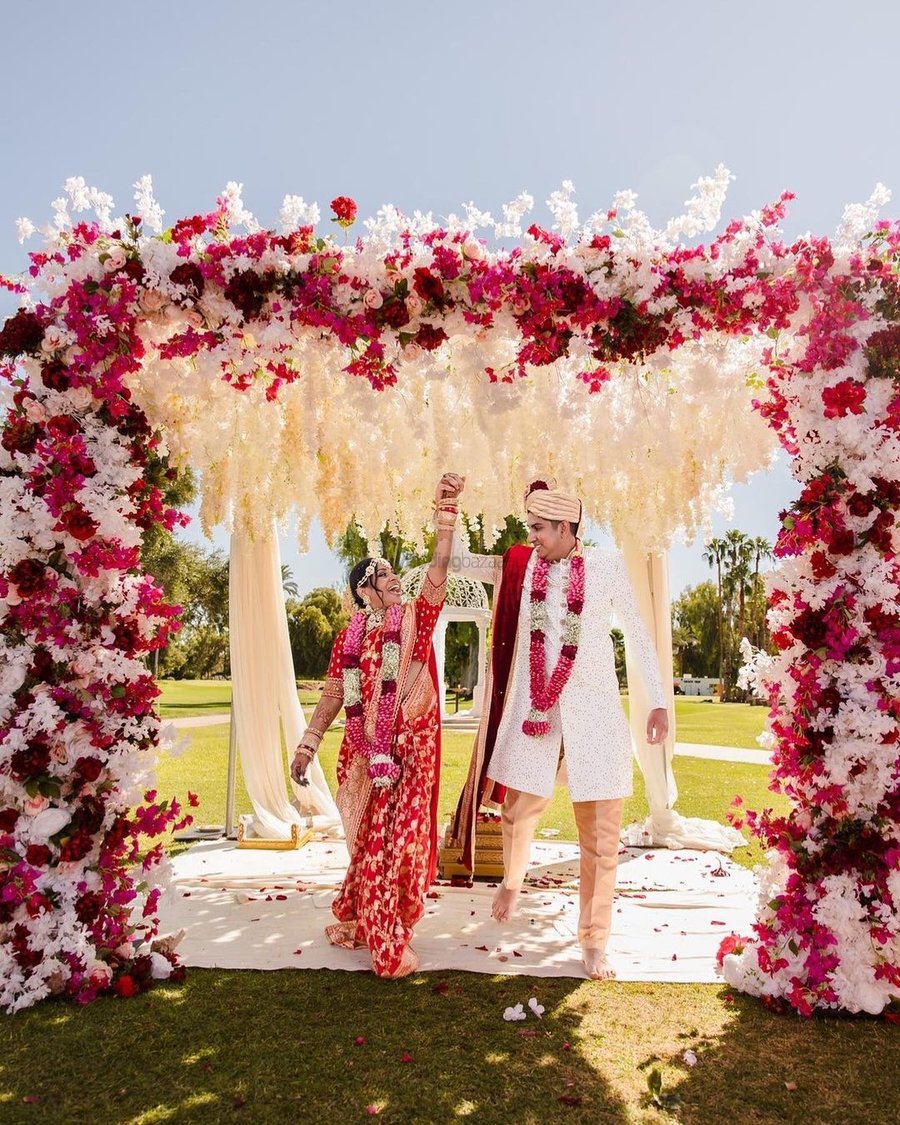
x=554, y=701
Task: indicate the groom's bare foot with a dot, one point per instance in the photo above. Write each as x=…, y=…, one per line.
x=597, y=966
x=504, y=904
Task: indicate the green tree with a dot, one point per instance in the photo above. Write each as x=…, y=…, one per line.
x=312, y=626
x=695, y=630
x=352, y=546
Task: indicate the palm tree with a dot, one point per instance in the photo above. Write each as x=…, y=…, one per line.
x=288, y=582
x=739, y=552
x=762, y=549
x=714, y=555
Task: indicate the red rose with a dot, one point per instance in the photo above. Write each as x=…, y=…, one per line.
x=19, y=436
x=76, y=846
x=248, y=291
x=62, y=425
x=89, y=768
x=731, y=944
x=38, y=855
x=429, y=287
x=41, y=664
x=344, y=209
x=55, y=376
x=394, y=313
x=842, y=543
x=21, y=333
x=8, y=818
x=30, y=760
x=125, y=985
x=76, y=521
x=188, y=275
x=859, y=504
x=134, y=269
x=429, y=337
x=822, y=568
x=28, y=575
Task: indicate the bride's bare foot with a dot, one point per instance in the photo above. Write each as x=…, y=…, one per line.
x=597, y=966
x=504, y=904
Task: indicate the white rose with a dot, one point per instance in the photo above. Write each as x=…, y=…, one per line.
x=116, y=258
x=473, y=250
x=414, y=304
x=54, y=339
x=411, y=352
x=372, y=299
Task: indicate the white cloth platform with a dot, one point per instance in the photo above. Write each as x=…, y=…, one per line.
x=254, y=909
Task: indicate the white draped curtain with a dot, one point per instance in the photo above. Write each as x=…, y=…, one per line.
x=664, y=827
x=264, y=694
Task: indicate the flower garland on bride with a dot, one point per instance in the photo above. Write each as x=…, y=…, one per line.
x=382, y=768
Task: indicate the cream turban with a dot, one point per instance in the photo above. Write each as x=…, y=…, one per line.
x=551, y=504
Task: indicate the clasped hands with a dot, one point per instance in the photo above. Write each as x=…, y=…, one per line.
x=449, y=487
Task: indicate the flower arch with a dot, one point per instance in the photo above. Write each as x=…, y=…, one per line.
x=301, y=373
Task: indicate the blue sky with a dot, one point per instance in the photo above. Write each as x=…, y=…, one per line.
x=431, y=105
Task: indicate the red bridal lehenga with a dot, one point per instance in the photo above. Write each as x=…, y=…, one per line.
x=391, y=830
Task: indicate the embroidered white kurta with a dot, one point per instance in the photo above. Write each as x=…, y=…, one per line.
x=588, y=719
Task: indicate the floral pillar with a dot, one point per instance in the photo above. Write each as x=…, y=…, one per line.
x=828, y=929
x=79, y=483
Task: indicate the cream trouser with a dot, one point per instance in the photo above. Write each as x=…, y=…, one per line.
x=598, y=839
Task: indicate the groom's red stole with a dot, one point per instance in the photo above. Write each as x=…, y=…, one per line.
x=478, y=787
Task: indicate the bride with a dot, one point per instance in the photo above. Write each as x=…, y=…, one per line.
x=382, y=671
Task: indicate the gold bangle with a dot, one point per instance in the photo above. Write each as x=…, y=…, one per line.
x=306, y=751
x=315, y=731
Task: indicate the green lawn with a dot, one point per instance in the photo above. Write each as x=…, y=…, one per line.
x=183, y=699
x=711, y=723
x=333, y=1047
x=706, y=788
x=718, y=724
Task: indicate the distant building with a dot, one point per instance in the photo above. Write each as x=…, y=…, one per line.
x=697, y=685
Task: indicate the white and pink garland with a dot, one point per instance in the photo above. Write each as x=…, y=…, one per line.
x=128, y=331
x=383, y=769
x=545, y=692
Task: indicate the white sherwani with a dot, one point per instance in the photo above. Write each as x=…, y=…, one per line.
x=588, y=720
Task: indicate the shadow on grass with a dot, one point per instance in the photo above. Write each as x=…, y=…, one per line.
x=306, y=1046
x=768, y=1067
